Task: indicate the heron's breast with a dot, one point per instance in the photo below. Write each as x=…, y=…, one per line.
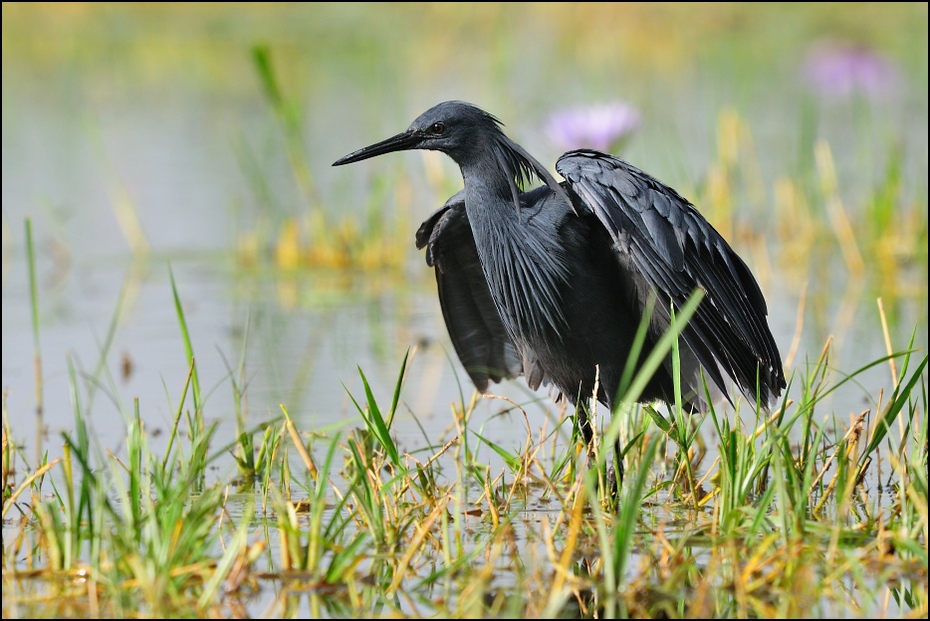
x=527, y=274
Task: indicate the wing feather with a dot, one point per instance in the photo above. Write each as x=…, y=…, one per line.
x=675, y=250
x=474, y=325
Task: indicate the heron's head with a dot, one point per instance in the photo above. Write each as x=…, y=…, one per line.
x=454, y=127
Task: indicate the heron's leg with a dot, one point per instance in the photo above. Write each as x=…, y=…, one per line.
x=615, y=470
x=615, y=474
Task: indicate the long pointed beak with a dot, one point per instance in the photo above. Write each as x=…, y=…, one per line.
x=400, y=142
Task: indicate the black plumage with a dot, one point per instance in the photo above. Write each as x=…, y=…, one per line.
x=552, y=283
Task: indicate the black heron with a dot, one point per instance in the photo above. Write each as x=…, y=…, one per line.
x=552, y=283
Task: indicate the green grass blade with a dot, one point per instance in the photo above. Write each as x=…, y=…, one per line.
x=189, y=350
x=37, y=350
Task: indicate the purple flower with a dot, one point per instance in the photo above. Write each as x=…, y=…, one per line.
x=597, y=127
x=836, y=71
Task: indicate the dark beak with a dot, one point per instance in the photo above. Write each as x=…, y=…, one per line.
x=401, y=142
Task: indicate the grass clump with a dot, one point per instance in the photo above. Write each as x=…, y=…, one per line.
x=796, y=515
x=740, y=512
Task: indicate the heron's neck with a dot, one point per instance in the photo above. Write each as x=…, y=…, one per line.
x=491, y=211
x=494, y=169
x=489, y=191
x=517, y=258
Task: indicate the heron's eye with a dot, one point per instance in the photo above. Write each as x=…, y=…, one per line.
x=437, y=128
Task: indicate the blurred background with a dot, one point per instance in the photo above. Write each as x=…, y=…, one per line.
x=145, y=141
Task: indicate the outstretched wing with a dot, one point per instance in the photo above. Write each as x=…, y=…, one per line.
x=478, y=335
x=665, y=240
